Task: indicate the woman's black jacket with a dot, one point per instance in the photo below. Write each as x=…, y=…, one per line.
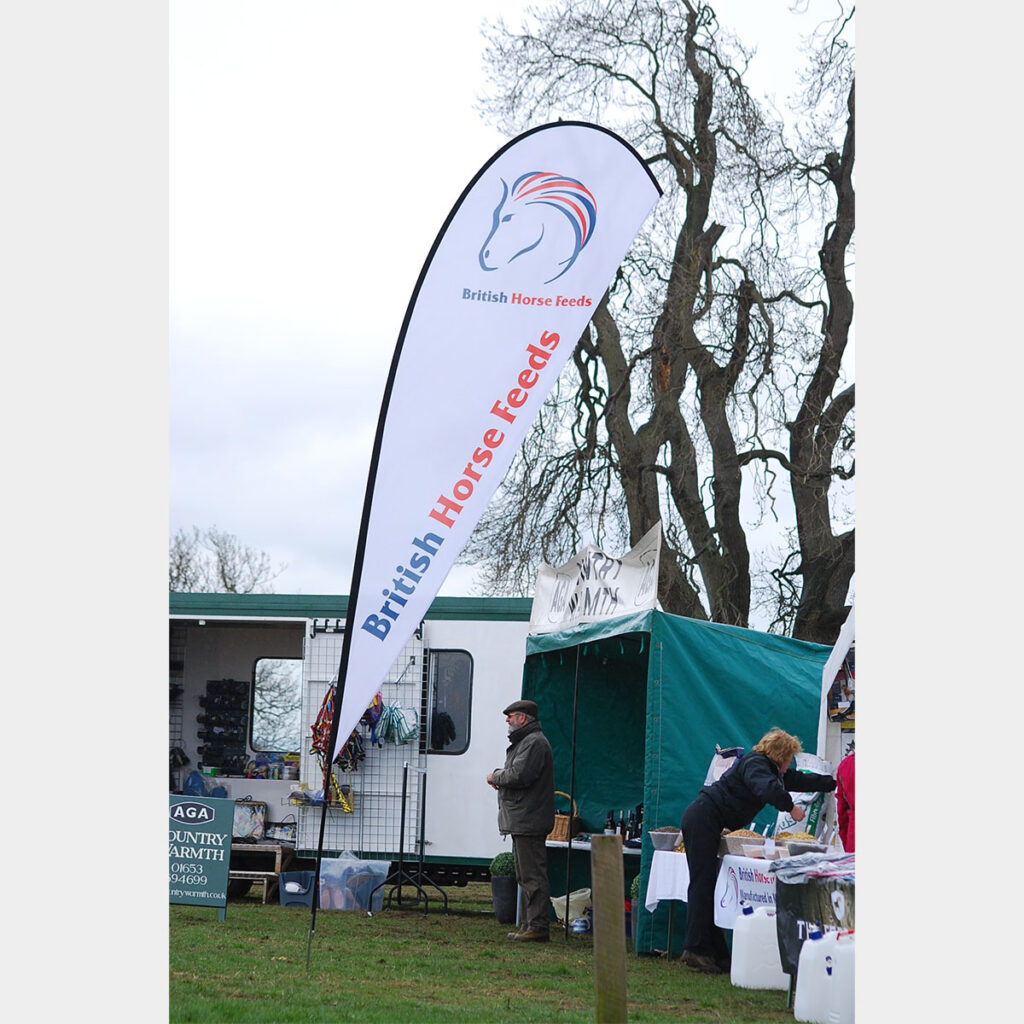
x=755, y=780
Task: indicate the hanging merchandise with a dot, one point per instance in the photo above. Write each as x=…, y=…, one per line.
x=353, y=751
x=397, y=724
x=349, y=756
x=341, y=793
x=842, y=693
x=250, y=820
x=371, y=716
x=226, y=710
x=321, y=728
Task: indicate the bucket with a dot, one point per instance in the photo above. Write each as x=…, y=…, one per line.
x=839, y=1004
x=295, y=888
x=756, y=962
x=814, y=977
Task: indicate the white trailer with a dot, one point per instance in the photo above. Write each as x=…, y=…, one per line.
x=461, y=667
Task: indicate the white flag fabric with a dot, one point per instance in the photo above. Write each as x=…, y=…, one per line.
x=593, y=585
x=510, y=284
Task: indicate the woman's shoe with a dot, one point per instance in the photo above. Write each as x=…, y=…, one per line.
x=700, y=962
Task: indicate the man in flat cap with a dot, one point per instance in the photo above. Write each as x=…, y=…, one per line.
x=526, y=811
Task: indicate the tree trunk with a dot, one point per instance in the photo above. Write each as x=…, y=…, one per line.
x=827, y=561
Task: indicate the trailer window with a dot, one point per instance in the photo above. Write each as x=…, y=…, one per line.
x=451, y=691
x=277, y=705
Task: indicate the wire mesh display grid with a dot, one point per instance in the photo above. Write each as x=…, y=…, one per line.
x=373, y=827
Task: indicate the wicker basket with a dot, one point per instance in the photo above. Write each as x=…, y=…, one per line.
x=563, y=830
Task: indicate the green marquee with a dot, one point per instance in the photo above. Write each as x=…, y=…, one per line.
x=656, y=692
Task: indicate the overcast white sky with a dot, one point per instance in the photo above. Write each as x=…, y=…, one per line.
x=315, y=150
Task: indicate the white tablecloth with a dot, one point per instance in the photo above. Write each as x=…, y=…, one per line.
x=739, y=878
x=669, y=878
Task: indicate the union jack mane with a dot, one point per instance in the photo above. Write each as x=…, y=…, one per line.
x=567, y=195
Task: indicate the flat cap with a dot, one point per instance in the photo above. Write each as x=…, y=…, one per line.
x=521, y=705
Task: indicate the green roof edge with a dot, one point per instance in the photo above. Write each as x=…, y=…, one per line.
x=327, y=606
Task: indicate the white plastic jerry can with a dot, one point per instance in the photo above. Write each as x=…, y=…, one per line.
x=839, y=999
x=813, y=976
x=756, y=962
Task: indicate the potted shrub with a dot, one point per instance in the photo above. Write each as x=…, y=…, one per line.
x=504, y=888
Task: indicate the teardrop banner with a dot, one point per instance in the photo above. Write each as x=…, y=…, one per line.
x=511, y=282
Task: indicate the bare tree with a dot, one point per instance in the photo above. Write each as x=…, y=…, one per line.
x=213, y=561
x=712, y=363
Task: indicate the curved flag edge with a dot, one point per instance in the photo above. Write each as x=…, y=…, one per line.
x=392, y=373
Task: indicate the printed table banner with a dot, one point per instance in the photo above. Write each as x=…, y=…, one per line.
x=508, y=288
x=739, y=878
x=742, y=879
x=593, y=586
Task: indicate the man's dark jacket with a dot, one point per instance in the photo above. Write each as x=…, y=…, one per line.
x=526, y=785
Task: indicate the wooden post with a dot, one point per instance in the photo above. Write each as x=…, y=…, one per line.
x=609, y=928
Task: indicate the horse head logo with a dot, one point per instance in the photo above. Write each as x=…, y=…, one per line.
x=731, y=891
x=549, y=214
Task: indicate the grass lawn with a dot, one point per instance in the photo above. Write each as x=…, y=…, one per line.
x=403, y=966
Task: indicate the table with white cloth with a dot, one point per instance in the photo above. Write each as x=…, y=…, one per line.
x=739, y=878
x=583, y=846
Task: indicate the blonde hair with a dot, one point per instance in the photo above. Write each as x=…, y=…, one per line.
x=778, y=745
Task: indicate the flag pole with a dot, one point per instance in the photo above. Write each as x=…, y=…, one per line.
x=357, y=572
